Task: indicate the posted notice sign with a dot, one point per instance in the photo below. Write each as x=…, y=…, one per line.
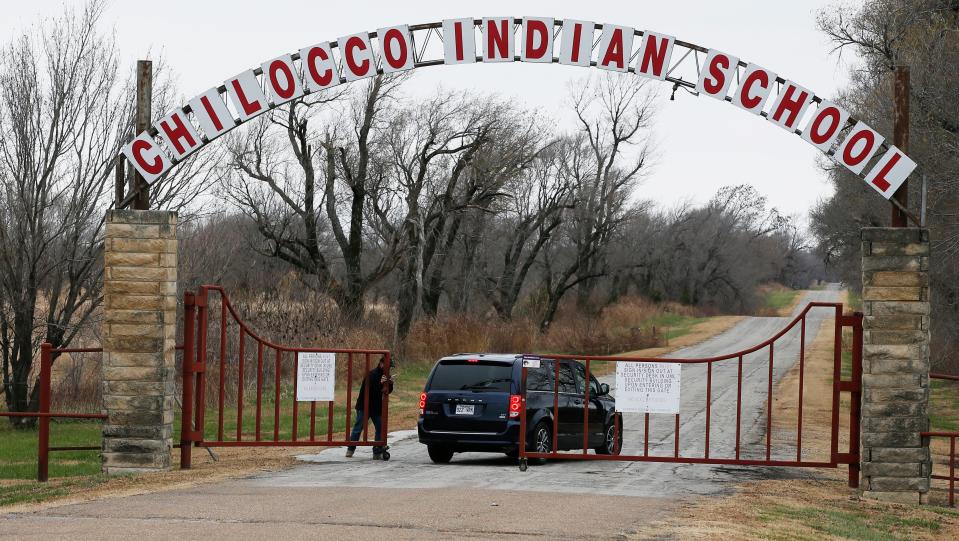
x=315, y=376
x=647, y=387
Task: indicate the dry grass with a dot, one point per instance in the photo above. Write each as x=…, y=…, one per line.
x=629, y=324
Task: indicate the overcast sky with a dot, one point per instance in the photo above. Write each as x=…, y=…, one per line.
x=702, y=144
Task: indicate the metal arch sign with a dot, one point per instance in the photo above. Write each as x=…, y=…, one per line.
x=716, y=74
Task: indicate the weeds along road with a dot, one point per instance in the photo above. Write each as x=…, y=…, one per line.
x=477, y=495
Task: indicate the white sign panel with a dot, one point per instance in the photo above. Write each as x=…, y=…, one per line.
x=530, y=362
x=647, y=387
x=315, y=377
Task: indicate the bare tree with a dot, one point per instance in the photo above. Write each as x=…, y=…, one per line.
x=431, y=145
x=603, y=162
x=921, y=34
x=531, y=215
x=64, y=114
x=299, y=182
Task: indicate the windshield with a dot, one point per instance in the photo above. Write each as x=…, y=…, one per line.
x=475, y=376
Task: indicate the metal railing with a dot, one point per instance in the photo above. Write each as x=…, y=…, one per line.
x=43, y=413
x=951, y=436
x=197, y=364
x=712, y=365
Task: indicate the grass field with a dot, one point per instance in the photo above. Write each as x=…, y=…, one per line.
x=944, y=405
x=675, y=325
x=778, y=300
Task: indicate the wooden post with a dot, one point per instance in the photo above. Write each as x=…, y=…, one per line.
x=119, y=182
x=141, y=200
x=901, y=90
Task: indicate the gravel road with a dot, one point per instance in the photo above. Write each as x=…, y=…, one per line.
x=410, y=466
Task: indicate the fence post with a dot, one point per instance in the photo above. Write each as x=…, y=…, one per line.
x=43, y=439
x=855, y=401
x=385, y=412
x=186, y=415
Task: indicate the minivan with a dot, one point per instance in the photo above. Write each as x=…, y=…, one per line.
x=471, y=403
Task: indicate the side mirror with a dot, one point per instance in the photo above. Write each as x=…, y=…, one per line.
x=603, y=389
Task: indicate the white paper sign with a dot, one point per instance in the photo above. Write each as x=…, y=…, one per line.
x=315, y=376
x=531, y=362
x=647, y=387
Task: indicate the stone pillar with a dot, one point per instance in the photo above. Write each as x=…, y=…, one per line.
x=895, y=279
x=139, y=334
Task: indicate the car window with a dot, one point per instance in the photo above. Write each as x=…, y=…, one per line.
x=567, y=381
x=593, y=386
x=540, y=379
x=580, y=372
x=462, y=375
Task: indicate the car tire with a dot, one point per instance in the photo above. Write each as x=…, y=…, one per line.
x=439, y=455
x=542, y=441
x=609, y=447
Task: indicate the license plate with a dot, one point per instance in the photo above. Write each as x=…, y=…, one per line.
x=465, y=410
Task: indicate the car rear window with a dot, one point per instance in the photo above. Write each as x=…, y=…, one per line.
x=472, y=376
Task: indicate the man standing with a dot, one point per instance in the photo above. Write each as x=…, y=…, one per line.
x=374, y=383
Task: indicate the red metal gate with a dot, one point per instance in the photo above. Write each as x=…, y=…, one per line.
x=241, y=351
x=764, y=453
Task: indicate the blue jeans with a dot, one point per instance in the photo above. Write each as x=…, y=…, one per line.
x=358, y=429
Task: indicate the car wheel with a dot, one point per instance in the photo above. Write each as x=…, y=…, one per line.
x=612, y=445
x=542, y=441
x=439, y=455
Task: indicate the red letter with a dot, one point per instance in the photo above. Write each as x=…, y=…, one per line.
x=285, y=93
x=614, y=52
x=139, y=146
x=496, y=39
x=357, y=69
x=210, y=112
x=577, y=35
x=321, y=79
x=760, y=76
x=177, y=133
x=249, y=108
x=880, y=179
x=833, y=115
x=848, y=157
x=532, y=28
x=655, y=54
x=459, y=40
x=395, y=36
x=716, y=70
x=794, y=105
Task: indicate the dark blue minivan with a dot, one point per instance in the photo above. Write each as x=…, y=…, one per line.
x=472, y=403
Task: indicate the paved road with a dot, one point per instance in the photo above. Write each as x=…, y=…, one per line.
x=477, y=495
x=410, y=466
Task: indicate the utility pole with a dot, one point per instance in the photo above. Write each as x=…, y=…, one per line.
x=901, y=90
x=138, y=186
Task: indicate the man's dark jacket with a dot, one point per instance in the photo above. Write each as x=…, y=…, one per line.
x=376, y=397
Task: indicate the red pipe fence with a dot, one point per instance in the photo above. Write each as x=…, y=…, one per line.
x=43, y=415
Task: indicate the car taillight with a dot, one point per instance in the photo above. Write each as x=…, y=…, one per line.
x=514, y=405
x=422, y=402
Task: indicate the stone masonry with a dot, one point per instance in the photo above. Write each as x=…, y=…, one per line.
x=895, y=279
x=139, y=333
